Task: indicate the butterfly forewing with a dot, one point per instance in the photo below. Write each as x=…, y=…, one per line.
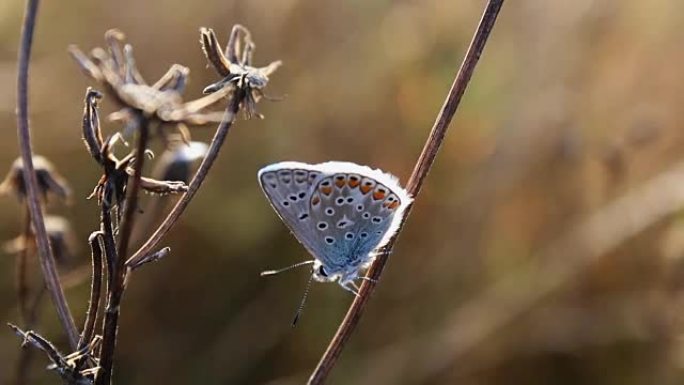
x=288, y=188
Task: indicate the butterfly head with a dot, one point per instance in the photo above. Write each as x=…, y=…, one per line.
x=322, y=274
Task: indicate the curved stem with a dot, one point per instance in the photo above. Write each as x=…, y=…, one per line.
x=95, y=289
x=116, y=286
x=47, y=260
x=420, y=171
x=177, y=210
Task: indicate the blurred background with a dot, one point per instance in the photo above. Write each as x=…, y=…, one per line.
x=545, y=248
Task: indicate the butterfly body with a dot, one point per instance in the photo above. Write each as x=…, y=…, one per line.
x=340, y=211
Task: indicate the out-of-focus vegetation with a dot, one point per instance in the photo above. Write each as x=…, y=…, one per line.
x=500, y=276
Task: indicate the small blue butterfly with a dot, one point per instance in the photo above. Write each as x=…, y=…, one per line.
x=340, y=211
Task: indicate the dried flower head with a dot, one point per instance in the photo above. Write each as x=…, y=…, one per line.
x=176, y=162
x=161, y=101
x=61, y=235
x=111, y=188
x=50, y=182
x=235, y=66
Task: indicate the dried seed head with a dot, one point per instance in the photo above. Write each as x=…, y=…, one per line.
x=115, y=69
x=61, y=236
x=176, y=162
x=235, y=66
x=50, y=182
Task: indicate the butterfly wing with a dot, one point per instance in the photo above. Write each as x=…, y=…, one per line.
x=339, y=211
x=288, y=186
x=356, y=210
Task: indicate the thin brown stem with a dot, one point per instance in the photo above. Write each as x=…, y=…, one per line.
x=219, y=137
x=95, y=241
x=47, y=260
x=118, y=269
x=420, y=171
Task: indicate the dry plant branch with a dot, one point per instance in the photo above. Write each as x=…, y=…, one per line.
x=95, y=240
x=420, y=171
x=118, y=269
x=201, y=173
x=46, y=257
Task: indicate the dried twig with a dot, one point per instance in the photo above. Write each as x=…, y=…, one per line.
x=95, y=240
x=47, y=261
x=195, y=184
x=118, y=269
x=414, y=185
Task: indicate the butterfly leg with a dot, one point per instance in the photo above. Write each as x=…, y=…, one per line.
x=351, y=287
x=369, y=279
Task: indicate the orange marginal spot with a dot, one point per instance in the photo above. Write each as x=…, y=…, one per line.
x=326, y=190
x=315, y=200
x=393, y=205
x=365, y=188
x=354, y=181
x=377, y=195
x=339, y=181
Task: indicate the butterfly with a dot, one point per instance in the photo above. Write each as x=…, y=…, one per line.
x=340, y=212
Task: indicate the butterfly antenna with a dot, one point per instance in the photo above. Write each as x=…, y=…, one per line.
x=301, y=304
x=274, y=272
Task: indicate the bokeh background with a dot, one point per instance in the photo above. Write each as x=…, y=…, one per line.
x=546, y=247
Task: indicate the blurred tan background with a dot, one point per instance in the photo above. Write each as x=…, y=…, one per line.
x=516, y=266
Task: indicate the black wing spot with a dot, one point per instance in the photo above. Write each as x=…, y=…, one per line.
x=339, y=201
x=293, y=198
x=301, y=195
x=329, y=240
x=342, y=224
x=330, y=211
x=376, y=219
x=363, y=235
x=349, y=236
x=350, y=200
x=303, y=216
x=359, y=208
x=286, y=203
x=366, y=215
x=322, y=225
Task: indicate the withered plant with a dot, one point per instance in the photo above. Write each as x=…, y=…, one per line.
x=146, y=112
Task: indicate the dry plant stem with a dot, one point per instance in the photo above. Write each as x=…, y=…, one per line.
x=118, y=270
x=414, y=185
x=47, y=260
x=221, y=132
x=95, y=289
